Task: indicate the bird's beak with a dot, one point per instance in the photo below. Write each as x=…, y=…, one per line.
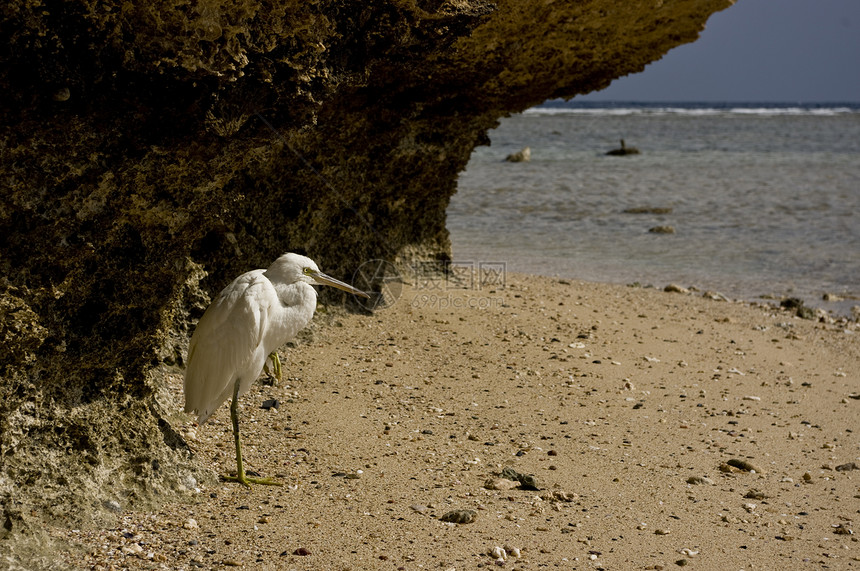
x=323, y=279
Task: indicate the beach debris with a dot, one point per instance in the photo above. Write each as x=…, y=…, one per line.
x=842, y=529
x=623, y=151
x=524, y=155
x=527, y=482
x=460, y=516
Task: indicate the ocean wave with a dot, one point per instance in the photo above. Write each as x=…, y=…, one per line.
x=595, y=109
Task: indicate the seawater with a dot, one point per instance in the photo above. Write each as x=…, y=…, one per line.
x=764, y=199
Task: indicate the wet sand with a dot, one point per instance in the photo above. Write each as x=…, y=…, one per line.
x=662, y=430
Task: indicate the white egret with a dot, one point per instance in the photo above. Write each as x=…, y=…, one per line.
x=253, y=316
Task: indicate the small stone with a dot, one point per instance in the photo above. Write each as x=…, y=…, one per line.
x=755, y=495
x=420, y=508
x=661, y=532
x=460, y=516
x=499, y=553
x=681, y=562
x=189, y=482
x=847, y=467
x=807, y=477
x=527, y=482
x=514, y=552
x=132, y=549
x=744, y=465
x=500, y=484
x=270, y=404
x=560, y=496
x=675, y=288
x=190, y=524
x=750, y=507
x=302, y=552
x=700, y=481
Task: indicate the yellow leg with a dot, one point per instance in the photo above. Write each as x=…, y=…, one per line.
x=275, y=373
x=240, y=469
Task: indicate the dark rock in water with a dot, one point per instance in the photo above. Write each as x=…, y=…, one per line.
x=796, y=304
x=623, y=151
x=648, y=210
x=524, y=155
x=662, y=230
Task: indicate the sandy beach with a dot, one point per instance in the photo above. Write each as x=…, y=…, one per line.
x=660, y=430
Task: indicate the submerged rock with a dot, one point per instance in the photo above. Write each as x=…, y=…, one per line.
x=622, y=151
x=524, y=155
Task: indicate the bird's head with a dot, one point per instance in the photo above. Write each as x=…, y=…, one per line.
x=293, y=268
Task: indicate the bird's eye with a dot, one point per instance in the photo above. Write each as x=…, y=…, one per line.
x=307, y=271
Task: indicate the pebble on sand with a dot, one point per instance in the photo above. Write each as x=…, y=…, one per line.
x=744, y=466
x=460, y=516
x=500, y=484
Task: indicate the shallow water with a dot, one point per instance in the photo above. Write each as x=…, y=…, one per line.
x=764, y=200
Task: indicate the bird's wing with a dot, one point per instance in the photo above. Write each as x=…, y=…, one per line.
x=226, y=341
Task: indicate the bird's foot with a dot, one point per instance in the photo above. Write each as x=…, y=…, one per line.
x=275, y=372
x=246, y=480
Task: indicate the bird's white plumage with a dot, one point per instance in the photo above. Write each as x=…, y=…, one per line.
x=253, y=316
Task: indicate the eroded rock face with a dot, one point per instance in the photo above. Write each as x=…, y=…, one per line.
x=152, y=151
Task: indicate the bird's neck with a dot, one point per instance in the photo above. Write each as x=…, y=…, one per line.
x=297, y=295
